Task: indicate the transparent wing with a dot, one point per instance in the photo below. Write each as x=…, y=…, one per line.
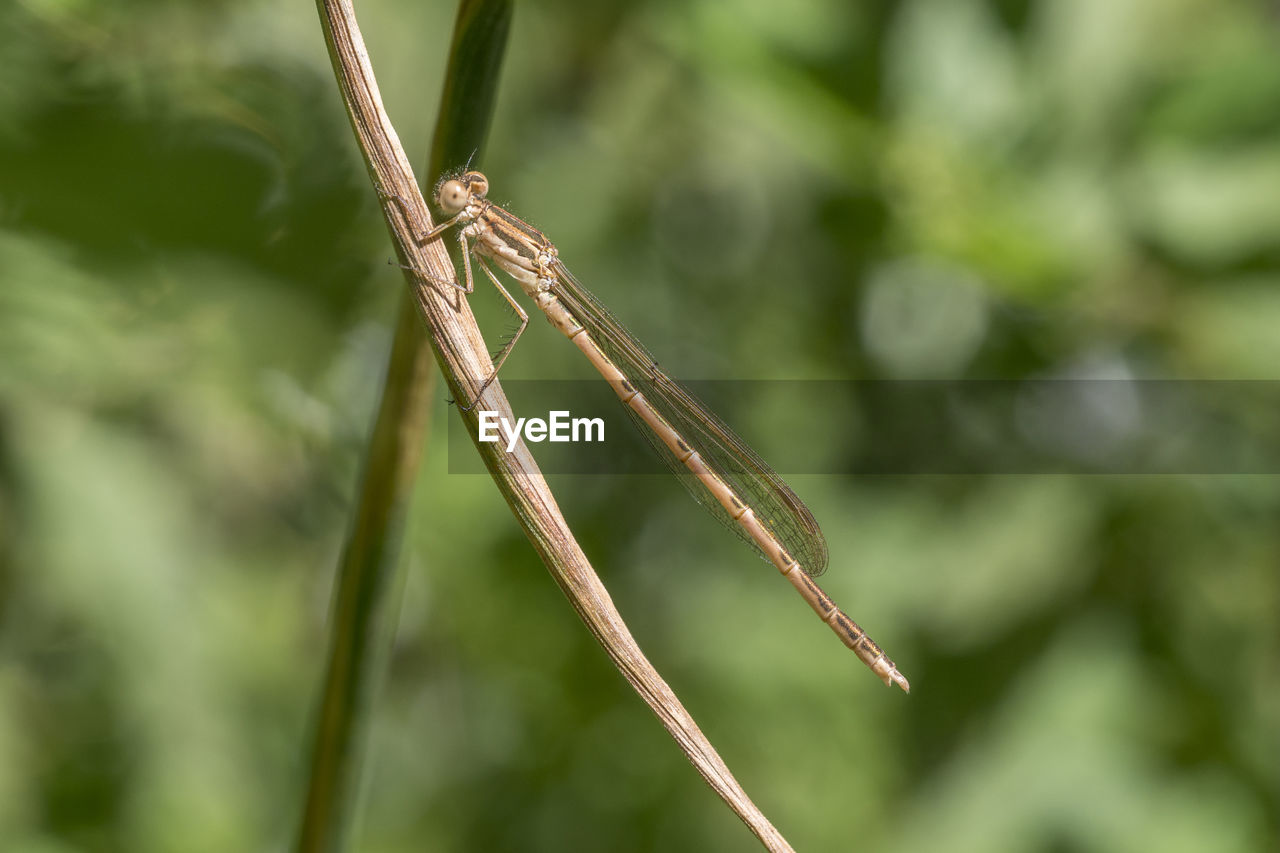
x=729, y=456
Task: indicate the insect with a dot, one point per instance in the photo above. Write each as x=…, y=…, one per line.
x=723, y=473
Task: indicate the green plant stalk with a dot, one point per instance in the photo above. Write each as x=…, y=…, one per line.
x=366, y=593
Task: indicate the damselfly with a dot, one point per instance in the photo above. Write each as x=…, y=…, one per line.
x=721, y=471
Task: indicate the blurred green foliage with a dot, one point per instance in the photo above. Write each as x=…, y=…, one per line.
x=194, y=310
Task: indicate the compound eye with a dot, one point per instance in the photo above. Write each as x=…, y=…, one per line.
x=477, y=182
x=453, y=196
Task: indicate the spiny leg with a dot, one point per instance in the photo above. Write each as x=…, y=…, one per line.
x=468, y=287
x=441, y=228
x=404, y=211
x=509, y=345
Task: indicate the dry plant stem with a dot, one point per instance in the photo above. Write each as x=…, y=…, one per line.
x=463, y=358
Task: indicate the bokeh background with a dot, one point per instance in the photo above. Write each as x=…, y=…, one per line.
x=195, y=307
